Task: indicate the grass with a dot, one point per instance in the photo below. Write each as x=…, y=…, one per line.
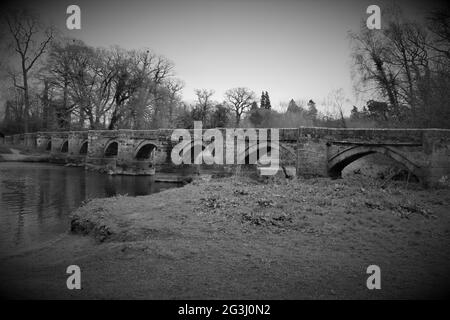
x=235, y=238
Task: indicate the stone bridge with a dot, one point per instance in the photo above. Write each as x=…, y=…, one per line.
x=308, y=151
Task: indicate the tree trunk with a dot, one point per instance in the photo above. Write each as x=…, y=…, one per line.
x=238, y=118
x=25, y=98
x=46, y=107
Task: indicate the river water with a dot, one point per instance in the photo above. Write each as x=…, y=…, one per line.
x=36, y=199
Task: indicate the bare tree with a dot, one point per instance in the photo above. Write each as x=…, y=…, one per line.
x=125, y=84
x=30, y=39
x=86, y=87
x=438, y=23
x=154, y=73
x=58, y=100
x=371, y=62
x=406, y=65
x=336, y=99
x=239, y=100
x=204, y=103
x=174, y=87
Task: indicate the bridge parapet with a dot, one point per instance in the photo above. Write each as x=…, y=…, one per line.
x=365, y=135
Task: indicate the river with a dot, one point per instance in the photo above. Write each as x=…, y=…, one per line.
x=36, y=199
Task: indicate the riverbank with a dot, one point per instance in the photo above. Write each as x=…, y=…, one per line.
x=21, y=154
x=12, y=154
x=238, y=238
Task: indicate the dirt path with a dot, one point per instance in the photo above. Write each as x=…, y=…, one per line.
x=235, y=238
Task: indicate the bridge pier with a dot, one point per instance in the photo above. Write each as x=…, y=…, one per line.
x=100, y=141
x=17, y=139
x=130, y=143
x=44, y=141
x=59, y=147
x=30, y=140
x=78, y=147
x=8, y=140
x=437, y=148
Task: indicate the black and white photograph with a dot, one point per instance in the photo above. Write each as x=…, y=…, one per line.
x=236, y=151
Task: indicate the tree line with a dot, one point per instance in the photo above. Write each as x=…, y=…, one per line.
x=405, y=67
x=54, y=83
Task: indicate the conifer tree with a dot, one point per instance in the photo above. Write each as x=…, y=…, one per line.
x=263, y=101
x=293, y=107
x=268, y=106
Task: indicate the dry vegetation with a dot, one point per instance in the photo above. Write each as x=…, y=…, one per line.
x=238, y=238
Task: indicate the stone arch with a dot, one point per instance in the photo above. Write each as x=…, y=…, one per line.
x=84, y=147
x=111, y=149
x=339, y=161
x=65, y=146
x=145, y=151
x=249, y=149
x=189, y=147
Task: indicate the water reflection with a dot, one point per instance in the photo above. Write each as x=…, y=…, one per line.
x=36, y=199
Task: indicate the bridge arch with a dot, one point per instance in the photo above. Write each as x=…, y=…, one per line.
x=251, y=149
x=65, y=146
x=145, y=150
x=189, y=149
x=111, y=149
x=83, y=148
x=339, y=161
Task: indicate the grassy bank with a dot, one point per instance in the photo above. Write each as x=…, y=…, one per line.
x=238, y=238
x=20, y=153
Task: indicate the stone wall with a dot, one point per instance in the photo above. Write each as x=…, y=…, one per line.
x=76, y=140
x=437, y=149
x=308, y=151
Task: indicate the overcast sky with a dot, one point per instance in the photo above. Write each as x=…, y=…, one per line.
x=292, y=49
